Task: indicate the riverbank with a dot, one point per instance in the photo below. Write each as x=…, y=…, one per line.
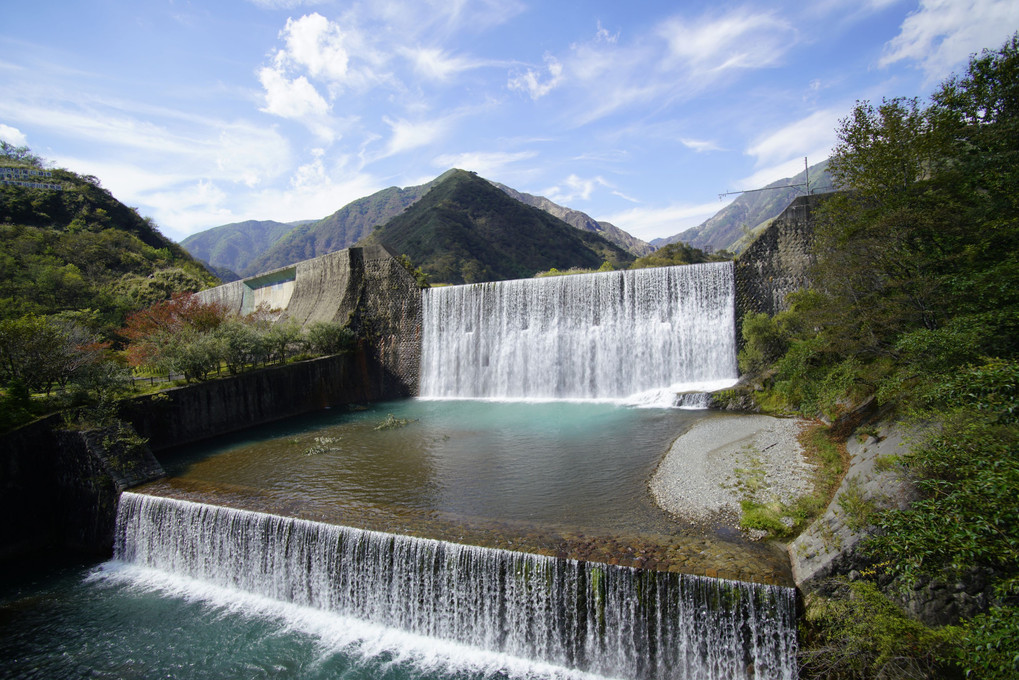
x=727, y=458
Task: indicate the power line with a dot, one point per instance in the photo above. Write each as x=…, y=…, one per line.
x=805, y=185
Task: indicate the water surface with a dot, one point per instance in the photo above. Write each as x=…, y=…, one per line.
x=560, y=478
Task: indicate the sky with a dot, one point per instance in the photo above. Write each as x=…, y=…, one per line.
x=639, y=113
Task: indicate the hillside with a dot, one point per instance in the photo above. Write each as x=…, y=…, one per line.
x=248, y=248
x=465, y=230
x=80, y=248
x=582, y=221
x=233, y=246
x=735, y=225
x=340, y=230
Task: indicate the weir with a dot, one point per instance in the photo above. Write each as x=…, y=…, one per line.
x=602, y=619
x=608, y=336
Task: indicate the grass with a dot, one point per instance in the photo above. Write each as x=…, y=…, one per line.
x=784, y=521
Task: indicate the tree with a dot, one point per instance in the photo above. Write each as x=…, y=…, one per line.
x=329, y=337
x=22, y=155
x=158, y=333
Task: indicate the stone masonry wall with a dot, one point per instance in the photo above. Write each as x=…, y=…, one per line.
x=778, y=262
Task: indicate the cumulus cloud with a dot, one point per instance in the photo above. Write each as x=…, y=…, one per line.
x=288, y=98
x=534, y=83
x=12, y=135
x=942, y=34
x=318, y=45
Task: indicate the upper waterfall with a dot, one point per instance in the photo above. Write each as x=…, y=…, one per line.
x=611, y=335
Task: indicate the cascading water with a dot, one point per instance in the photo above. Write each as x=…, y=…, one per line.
x=602, y=619
x=589, y=336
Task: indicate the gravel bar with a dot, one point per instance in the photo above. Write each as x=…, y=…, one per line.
x=726, y=458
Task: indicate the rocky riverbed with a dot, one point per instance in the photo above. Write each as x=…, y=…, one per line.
x=727, y=458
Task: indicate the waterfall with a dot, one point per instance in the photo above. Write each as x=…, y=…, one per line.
x=588, y=336
x=608, y=620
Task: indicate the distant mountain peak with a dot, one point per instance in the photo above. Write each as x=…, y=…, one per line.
x=466, y=230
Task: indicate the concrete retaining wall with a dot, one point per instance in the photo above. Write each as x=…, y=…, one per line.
x=365, y=287
x=194, y=412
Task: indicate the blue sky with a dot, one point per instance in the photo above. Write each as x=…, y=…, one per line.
x=640, y=113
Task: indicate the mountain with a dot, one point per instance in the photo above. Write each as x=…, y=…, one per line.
x=68, y=244
x=583, y=221
x=233, y=246
x=734, y=226
x=465, y=230
x=340, y=230
x=257, y=246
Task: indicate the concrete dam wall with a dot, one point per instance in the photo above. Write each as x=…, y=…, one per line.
x=365, y=287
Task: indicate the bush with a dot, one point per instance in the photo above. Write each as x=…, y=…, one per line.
x=860, y=633
x=330, y=337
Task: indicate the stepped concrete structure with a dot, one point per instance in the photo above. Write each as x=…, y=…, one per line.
x=365, y=287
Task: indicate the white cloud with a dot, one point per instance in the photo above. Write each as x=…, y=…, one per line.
x=942, y=34
x=13, y=135
x=575, y=188
x=409, y=135
x=603, y=35
x=484, y=163
x=435, y=64
x=813, y=135
x=662, y=222
x=739, y=39
x=531, y=83
x=295, y=99
x=318, y=45
x=700, y=145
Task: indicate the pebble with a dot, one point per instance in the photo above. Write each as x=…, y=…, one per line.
x=697, y=479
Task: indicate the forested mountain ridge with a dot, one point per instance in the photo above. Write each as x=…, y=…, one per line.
x=80, y=248
x=234, y=245
x=340, y=230
x=271, y=244
x=465, y=230
x=582, y=221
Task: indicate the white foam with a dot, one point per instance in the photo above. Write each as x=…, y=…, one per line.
x=334, y=633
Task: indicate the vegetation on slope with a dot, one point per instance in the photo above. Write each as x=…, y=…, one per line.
x=74, y=263
x=234, y=246
x=81, y=248
x=465, y=231
x=579, y=220
x=342, y=229
x=915, y=302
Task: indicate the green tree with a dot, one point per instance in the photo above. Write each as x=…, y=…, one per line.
x=329, y=337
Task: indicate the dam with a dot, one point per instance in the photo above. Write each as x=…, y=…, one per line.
x=240, y=567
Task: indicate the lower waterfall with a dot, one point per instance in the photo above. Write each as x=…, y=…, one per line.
x=607, y=620
x=610, y=335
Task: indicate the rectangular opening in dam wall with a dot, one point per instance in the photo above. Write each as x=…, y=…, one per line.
x=273, y=289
